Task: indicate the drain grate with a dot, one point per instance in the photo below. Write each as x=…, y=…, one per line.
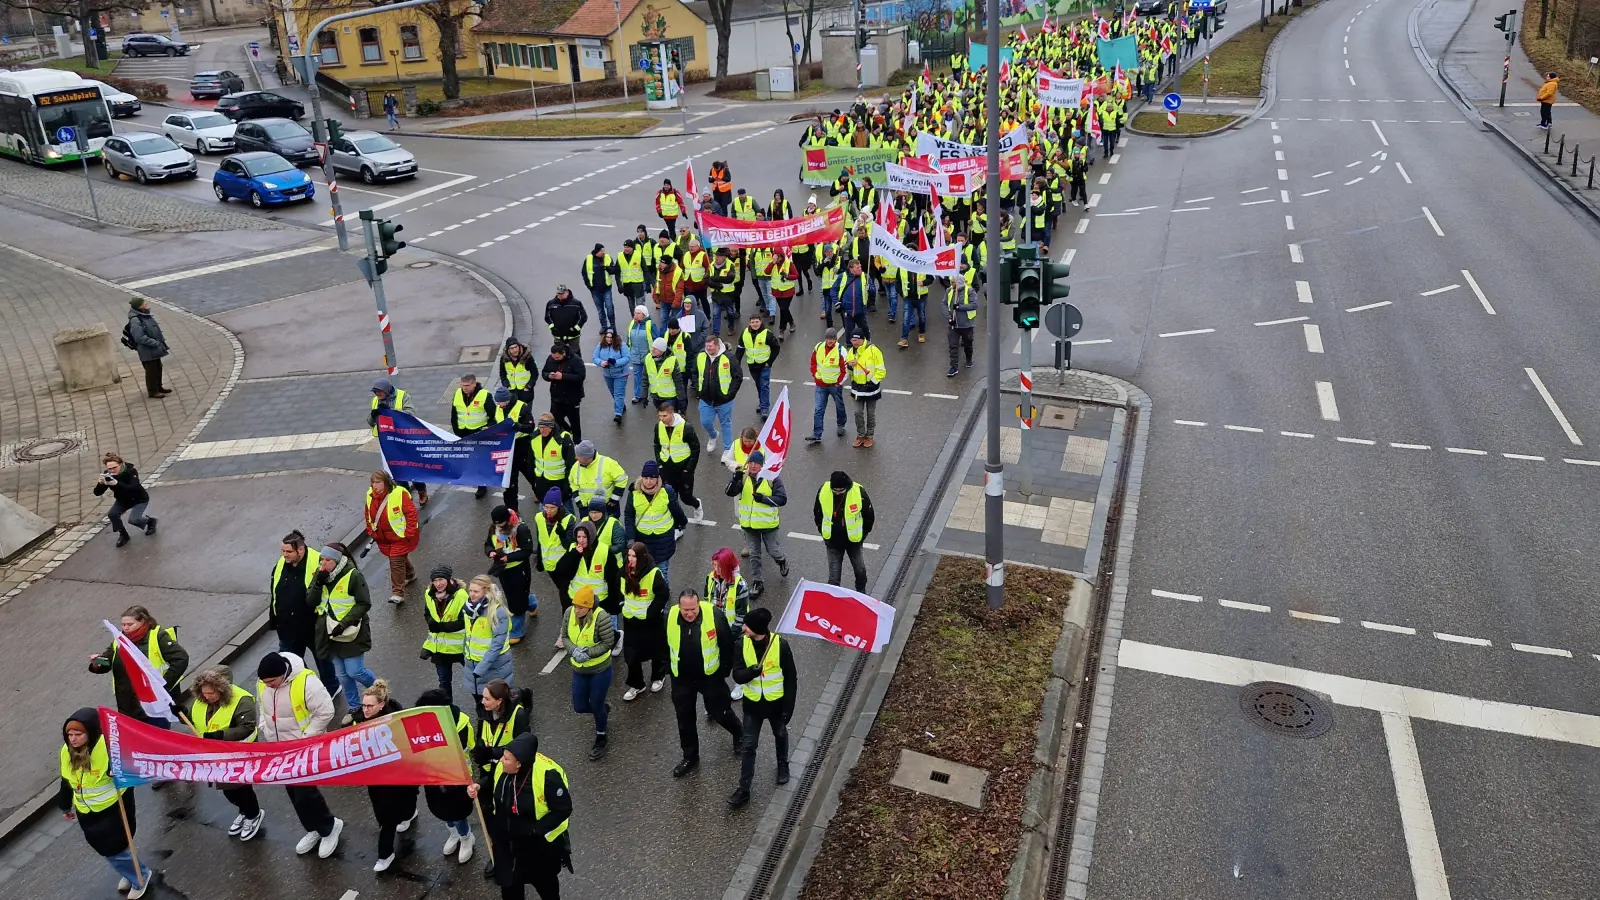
x=1285, y=709
x=940, y=777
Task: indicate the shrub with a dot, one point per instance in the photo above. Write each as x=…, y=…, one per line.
x=427, y=108
x=141, y=88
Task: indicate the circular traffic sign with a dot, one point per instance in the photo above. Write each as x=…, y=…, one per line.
x=66, y=134
x=1172, y=102
x=1063, y=320
x=797, y=47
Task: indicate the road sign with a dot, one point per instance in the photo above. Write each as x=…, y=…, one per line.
x=165, y=14
x=1172, y=119
x=66, y=134
x=1172, y=102
x=1063, y=320
x=797, y=47
x=94, y=33
x=255, y=49
x=1200, y=4
x=644, y=63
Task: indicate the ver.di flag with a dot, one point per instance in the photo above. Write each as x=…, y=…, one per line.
x=838, y=615
x=1057, y=91
x=149, y=685
x=414, y=450
x=775, y=436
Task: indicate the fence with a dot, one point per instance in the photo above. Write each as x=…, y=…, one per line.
x=1562, y=159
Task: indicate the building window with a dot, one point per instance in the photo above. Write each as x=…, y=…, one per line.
x=328, y=47
x=410, y=42
x=547, y=56
x=524, y=55
x=371, y=51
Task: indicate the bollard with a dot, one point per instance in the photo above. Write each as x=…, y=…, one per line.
x=1574, y=160
x=1591, y=173
x=1561, y=150
x=1547, y=142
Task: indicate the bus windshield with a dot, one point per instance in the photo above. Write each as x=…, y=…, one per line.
x=91, y=114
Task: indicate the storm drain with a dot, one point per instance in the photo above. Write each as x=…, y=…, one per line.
x=1285, y=709
x=40, y=449
x=420, y=264
x=1168, y=147
x=478, y=354
x=940, y=778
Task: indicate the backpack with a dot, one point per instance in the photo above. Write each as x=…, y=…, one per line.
x=127, y=336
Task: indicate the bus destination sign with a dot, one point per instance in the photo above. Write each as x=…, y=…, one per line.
x=59, y=98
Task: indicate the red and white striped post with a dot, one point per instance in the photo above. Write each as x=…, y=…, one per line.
x=386, y=328
x=1172, y=118
x=1025, y=411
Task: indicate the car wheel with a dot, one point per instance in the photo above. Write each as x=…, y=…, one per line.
x=367, y=177
x=172, y=52
x=221, y=194
x=139, y=176
x=110, y=169
x=256, y=200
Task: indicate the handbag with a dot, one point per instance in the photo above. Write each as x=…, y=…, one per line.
x=343, y=634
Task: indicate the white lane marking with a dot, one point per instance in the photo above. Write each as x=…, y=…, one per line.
x=1115, y=158
x=817, y=538
x=1248, y=607
x=1194, y=209
x=1294, y=254
x=1402, y=171
x=1525, y=456
x=1094, y=200
x=1314, y=193
x=1191, y=598
x=1106, y=178
x=597, y=225
x=1188, y=422
x=1416, y=814
x=554, y=661
x=1254, y=190
x=1313, y=338
x=1352, y=165
x=1380, y=133
x=1354, y=180
x=1083, y=225
x=1561, y=417
x=442, y=186
x=1352, y=77
x=1283, y=174
x=1392, y=629
x=1302, y=290
x=1283, y=321
x=1277, y=155
x=1104, y=215
x=1258, y=202
x=1274, y=126
x=1463, y=639
x=1543, y=651
x=1288, y=223
x=1066, y=258
x=1095, y=341
x=900, y=393
x=1314, y=617
x=1442, y=290
x=1186, y=333
x=318, y=247
x=245, y=446
x=1277, y=138
x=350, y=895
x=1284, y=196
x=1325, y=400
x=1478, y=291
x=1189, y=202
x=1296, y=434
x=1400, y=446
x=1369, y=306
x=1432, y=221
x=933, y=396
x=1374, y=169
x=1320, y=174
x=1467, y=451
x=1350, y=440
x=1143, y=208
x=1248, y=428
x=1582, y=462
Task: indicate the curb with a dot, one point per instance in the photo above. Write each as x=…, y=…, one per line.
x=1236, y=123
x=587, y=137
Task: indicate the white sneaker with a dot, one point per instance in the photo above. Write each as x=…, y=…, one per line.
x=124, y=885
x=307, y=842
x=406, y=825
x=467, y=843
x=656, y=686
x=727, y=457
x=238, y=824
x=136, y=892
x=630, y=694
x=252, y=827
x=383, y=865
x=451, y=843
x=700, y=513
x=327, y=845
x=396, y=599
x=617, y=650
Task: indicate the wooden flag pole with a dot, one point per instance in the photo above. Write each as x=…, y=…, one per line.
x=138, y=870
x=487, y=842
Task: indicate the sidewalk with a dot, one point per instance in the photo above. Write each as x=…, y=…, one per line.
x=1471, y=64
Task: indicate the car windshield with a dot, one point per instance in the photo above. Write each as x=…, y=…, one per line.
x=146, y=145
x=282, y=130
x=266, y=165
x=375, y=144
x=211, y=120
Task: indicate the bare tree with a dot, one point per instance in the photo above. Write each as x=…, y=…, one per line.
x=449, y=18
x=794, y=57
x=85, y=12
x=722, y=18
x=810, y=23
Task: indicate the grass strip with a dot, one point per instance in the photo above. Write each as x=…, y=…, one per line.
x=1236, y=63
x=1188, y=123
x=556, y=126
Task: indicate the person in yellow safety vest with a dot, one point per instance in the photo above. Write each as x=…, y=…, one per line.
x=386, y=396
x=670, y=205
x=160, y=645
x=914, y=290
x=744, y=207
x=829, y=269
x=588, y=563
x=487, y=655
x=742, y=448
x=89, y=795
x=344, y=600
x=590, y=640
x=469, y=413
x=663, y=373
x=724, y=291
x=449, y=803
x=844, y=517
x=653, y=517
x=596, y=271
x=645, y=595
x=717, y=381
x=759, y=500
x=506, y=406
x=519, y=371
x=509, y=547
x=290, y=705
x=867, y=373
x=648, y=257
x=632, y=263
x=765, y=668
x=442, y=607
x=759, y=262
x=528, y=805
x=961, y=309
x=392, y=522
x=700, y=652
x=502, y=717
x=608, y=530
x=223, y=711
x=828, y=378
x=596, y=475
x=726, y=588
x=552, y=455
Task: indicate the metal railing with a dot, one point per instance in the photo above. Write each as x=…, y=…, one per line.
x=1562, y=154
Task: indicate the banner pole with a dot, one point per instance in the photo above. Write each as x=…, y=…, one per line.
x=488, y=843
x=138, y=870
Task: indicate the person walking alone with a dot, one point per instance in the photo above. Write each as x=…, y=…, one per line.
x=223, y=711
x=765, y=667
x=143, y=333
x=291, y=705
x=391, y=110
x=1546, y=98
x=590, y=638
x=759, y=501
x=700, y=650
x=669, y=206
x=391, y=517
x=160, y=646
x=88, y=795
x=128, y=495
x=961, y=308
x=597, y=272
x=844, y=517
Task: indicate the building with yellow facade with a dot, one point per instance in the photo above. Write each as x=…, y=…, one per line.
x=563, y=41
x=399, y=45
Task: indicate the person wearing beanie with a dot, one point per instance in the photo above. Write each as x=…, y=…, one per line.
x=678, y=345
x=844, y=517
x=608, y=530
x=469, y=412
x=291, y=705
x=509, y=545
x=450, y=803
x=765, y=668
x=597, y=270
x=385, y=396
x=630, y=272
x=663, y=374
x=446, y=642
x=648, y=256
x=528, y=804
x=611, y=358
x=564, y=371
x=292, y=606
x=783, y=279
x=700, y=652
x=552, y=528
x=551, y=453
x=88, y=794
x=670, y=282
x=726, y=281
x=590, y=639
x=344, y=603
x=596, y=475
x=638, y=334
x=645, y=595
x=565, y=317
x=867, y=372
x=394, y=525
x=759, y=500
x=653, y=517
x=143, y=334
x=677, y=452
x=507, y=405
x=518, y=371
x=828, y=374
x=589, y=564
x=721, y=186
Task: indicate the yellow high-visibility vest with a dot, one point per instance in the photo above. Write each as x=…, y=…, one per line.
x=206, y=721
x=92, y=788
x=474, y=415
x=394, y=505
x=769, y=684
x=854, y=524
x=710, y=652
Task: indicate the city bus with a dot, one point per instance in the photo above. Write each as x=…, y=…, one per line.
x=36, y=103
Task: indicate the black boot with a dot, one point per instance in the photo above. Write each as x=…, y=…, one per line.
x=739, y=797
x=685, y=766
x=783, y=772
x=122, y=538
x=599, y=748
x=150, y=525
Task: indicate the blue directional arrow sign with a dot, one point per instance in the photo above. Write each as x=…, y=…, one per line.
x=66, y=134
x=1172, y=102
x=1200, y=4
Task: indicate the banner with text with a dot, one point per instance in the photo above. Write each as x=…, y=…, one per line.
x=414, y=450
x=824, y=226
x=947, y=184
x=825, y=164
x=838, y=615
x=1054, y=90
x=942, y=261
x=1013, y=167
x=414, y=746
x=942, y=149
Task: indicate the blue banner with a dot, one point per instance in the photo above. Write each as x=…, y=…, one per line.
x=1123, y=50
x=414, y=450
x=978, y=56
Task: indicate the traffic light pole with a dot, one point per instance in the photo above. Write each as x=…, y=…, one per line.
x=390, y=361
x=993, y=469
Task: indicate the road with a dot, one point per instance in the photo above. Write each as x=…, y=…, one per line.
x=1364, y=327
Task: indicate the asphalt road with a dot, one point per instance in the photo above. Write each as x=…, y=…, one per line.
x=1364, y=327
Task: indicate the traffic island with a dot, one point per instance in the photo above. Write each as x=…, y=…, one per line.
x=936, y=806
x=1189, y=124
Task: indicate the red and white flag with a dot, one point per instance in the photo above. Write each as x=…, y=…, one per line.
x=1005, y=71
x=1105, y=29
x=938, y=236
x=149, y=685
x=694, y=192
x=922, y=238
x=838, y=615
x=1022, y=32
x=887, y=217
x=1166, y=45
x=1116, y=73
x=1094, y=123
x=1048, y=26
x=927, y=78
x=774, y=437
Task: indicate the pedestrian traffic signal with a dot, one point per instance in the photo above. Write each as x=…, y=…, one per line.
x=335, y=130
x=1026, y=313
x=861, y=39
x=1050, y=273
x=388, y=245
x=677, y=59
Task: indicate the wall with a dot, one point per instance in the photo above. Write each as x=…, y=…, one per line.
x=758, y=44
x=665, y=20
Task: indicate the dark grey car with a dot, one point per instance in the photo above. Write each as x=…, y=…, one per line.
x=214, y=83
x=279, y=136
x=153, y=45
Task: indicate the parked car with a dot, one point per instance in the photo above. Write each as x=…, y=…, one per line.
x=372, y=156
x=153, y=45
x=120, y=103
x=214, y=83
x=279, y=136
x=259, y=105
x=202, y=132
x=265, y=179
x=146, y=157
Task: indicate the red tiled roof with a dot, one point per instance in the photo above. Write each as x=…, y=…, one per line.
x=562, y=18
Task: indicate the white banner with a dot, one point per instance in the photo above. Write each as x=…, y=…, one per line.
x=1057, y=91
x=838, y=615
x=943, y=148
x=902, y=178
x=943, y=261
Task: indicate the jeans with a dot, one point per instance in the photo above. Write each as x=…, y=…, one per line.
x=836, y=557
x=891, y=291
x=866, y=416
x=762, y=375
x=394, y=119
x=764, y=291
x=753, y=540
x=445, y=668
x=819, y=407
x=136, y=516
x=639, y=379
x=324, y=667
x=122, y=864
x=353, y=676
x=619, y=394
x=717, y=420
x=915, y=309
x=519, y=621
x=724, y=308
x=461, y=827
x=830, y=298
x=589, y=695
x=604, y=311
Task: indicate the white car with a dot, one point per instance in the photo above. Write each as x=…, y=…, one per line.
x=202, y=132
x=120, y=102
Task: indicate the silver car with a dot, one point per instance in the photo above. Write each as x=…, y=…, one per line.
x=372, y=156
x=202, y=132
x=146, y=157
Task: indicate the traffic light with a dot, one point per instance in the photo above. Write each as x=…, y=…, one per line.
x=335, y=130
x=388, y=244
x=1026, y=313
x=1050, y=273
x=677, y=59
x=1507, y=22
x=861, y=39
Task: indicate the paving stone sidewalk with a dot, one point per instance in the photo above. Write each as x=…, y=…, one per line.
x=66, y=191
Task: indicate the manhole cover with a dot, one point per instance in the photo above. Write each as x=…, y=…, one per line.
x=1286, y=709
x=419, y=265
x=45, y=448
x=1168, y=147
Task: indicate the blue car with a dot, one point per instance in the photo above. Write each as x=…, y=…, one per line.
x=265, y=179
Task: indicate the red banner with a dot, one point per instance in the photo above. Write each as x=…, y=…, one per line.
x=838, y=615
x=826, y=226
x=413, y=746
x=1013, y=166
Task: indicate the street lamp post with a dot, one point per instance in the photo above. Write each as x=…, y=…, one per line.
x=395, y=55
x=993, y=469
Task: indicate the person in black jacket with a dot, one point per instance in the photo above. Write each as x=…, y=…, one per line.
x=565, y=316
x=836, y=530
x=128, y=496
x=564, y=372
x=687, y=658
x=509, y=545
x=765, y=667
x=450, y=803
x=159, y=645
x=529, y=839
x=292, y=606
x=393, y=805
x=213, y=692
x=521, y=415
